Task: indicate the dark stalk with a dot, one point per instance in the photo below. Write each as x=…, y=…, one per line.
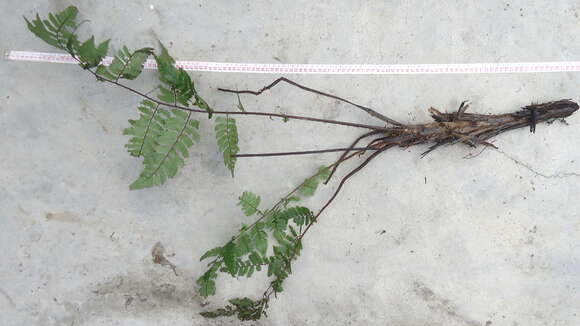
x=312, y=90
x=319, y=151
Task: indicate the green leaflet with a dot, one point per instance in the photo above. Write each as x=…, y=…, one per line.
x=309, y=186
x=171, y=148
x=202, y=104
x=211, y=253
x=91, y=55
x=249, y=202
x=243, y=245
x=207, y=287
x=146, y=129
x=229, y=256
x=168, y=73
x=207, y=281
x=260, y=238
x=126, y=64
x=226, y=134
x=56, y=29
x=177, y=79
x=181, y=88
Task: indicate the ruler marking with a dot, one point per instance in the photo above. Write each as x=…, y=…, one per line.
x=396, y=69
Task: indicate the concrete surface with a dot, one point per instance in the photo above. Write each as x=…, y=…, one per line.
x=493, y=240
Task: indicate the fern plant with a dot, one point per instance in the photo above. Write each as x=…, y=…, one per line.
x=166, y=130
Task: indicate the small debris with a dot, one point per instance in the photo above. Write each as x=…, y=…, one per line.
x=158, y=253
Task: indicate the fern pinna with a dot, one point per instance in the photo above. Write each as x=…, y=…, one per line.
x=166, y=130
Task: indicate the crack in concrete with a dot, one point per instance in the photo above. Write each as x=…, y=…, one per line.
x=8, y=298
x=560, y=175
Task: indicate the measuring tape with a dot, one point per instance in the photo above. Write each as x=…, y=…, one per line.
x=266, y=68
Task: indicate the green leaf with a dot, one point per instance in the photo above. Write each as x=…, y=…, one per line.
x=207, y=288
x=207, y=281
x=255, y=258
x=260, y=239
x=146, y=129
x=229, y=256
x=300, y=215
x=126, y=64
x=308, y=188
x=171, y=146
x=91, y=55
x=168, y=73
x=211, y=253
x=249, y=202
x=227, y=139
x=178, y=80
x=57, y=29
x=244, y=245
x=286, y=201
x=282, y=240
x=202, y=104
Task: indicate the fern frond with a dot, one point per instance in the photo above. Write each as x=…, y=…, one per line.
x=146, y=129
x=56, y=29
x=172, y=147
x=59, y=31
x=249, y=202
x=227, y=138
x=126, y=64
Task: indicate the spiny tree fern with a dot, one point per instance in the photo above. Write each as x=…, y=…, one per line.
x=165, y=131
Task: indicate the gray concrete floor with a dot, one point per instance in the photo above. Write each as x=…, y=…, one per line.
x=493, y=240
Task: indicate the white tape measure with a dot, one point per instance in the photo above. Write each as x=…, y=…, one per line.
x=340, y=69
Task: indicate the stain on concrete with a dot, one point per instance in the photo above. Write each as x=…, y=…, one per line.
x=158, y=254
x=138, y=295
x=63, y=217
x=441, y=304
